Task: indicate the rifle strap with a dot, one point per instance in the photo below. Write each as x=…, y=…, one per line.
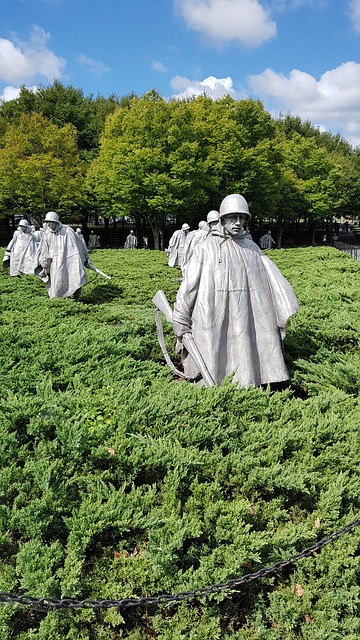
x=161, y=339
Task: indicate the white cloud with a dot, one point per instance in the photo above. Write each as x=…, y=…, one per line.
x=212, y=87
x=14, y=66
x=9, y=93
x=354, y=10
x=95, y=67
x=224, y=21
x=333, y=101
x=20, y=62
x=159, y=66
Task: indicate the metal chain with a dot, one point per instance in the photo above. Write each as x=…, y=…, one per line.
x=45, y=604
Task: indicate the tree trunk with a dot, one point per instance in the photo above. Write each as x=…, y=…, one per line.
x=157, y=235
x=312, y=228
x=84, y=224
x=138, y=230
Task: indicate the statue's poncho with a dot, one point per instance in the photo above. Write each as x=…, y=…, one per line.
x=22, y=249
x=192, y=239
x=67, y=253
x=236, y=303
x=176, y=248
x=130, y=242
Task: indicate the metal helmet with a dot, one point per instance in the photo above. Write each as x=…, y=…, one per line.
x=185, y=227
x=51, y=216
x=212, y=216
x=78, y=230
x=23, y=223
x=234, y=203
x=203, y=225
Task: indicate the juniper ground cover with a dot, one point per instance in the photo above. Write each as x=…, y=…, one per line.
x=118, y=481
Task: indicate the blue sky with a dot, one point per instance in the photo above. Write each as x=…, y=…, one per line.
x=297, y=56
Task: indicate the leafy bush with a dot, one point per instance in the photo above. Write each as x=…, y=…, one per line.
x=119, y=481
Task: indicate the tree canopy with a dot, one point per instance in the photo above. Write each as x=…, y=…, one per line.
x=157, y=161
x=40, y=169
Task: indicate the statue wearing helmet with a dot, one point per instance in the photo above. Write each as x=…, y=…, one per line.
x=24, y=225
x=176, y=246
x=21, y=250
x=131, y=241
x=266, y=241
x=234, y=203
x=51, y=216
x=212, y=218
x=235, y=302
x=192, y=239
x=60, y=259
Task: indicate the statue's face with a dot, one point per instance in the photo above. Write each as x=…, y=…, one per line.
x=233, y=223
x=23, y=229
x=52, y=225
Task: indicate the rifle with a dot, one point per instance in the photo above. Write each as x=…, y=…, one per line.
x=90, y=265
x=162, y=305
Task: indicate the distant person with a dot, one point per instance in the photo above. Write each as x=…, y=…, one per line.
x=266, y=241
x=192, y=239
x=60, y=259
x=78, y=232
x=21, y=251
x=176, y=246
x=145, y=242
x=92, y=240
x=131, y=241
x=212, y=220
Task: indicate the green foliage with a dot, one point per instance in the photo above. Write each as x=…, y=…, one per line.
x=64, y=105
x=148, y=158
x=40, y=168
x=118, y=481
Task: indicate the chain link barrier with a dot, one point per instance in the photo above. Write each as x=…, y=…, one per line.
x=46, y=604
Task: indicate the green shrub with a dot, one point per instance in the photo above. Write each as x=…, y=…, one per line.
x=119, y=481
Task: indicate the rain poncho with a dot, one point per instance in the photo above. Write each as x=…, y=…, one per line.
x=131, y=242
x=176, y=248
x=63, y=254
x=92, y=240
x=22, y=248
x=236, y=302
x=266, y=241
x=192, y=239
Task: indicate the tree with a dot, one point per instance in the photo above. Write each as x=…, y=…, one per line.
x=40, y=169
x=64, y=105
x=150, y=164
x=242, y=155
x=317, y=176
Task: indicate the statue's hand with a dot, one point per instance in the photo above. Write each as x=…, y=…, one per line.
x=180, y=329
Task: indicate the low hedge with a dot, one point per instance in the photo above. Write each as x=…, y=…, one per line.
x=118, y=480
